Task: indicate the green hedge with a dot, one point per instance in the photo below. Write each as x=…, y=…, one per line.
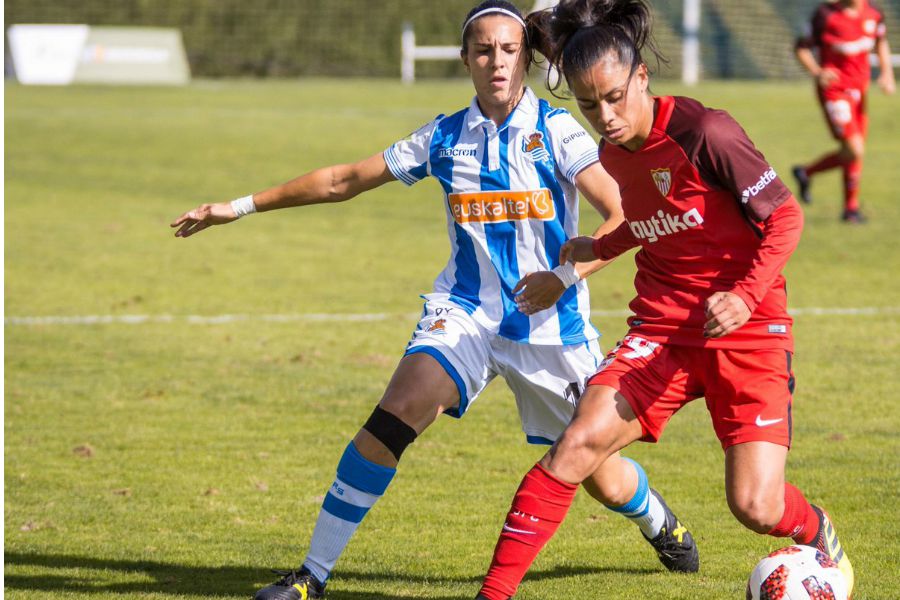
x=280, y=38
x=289, y=38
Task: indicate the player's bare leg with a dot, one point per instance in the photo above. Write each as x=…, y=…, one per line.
x=418, y=392
x=622, y=485
x=754, y=484
x=852, y=152
x=603, y=424
x=849, y=158
x=762, y=501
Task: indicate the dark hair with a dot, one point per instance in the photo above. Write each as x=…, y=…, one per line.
x=576, y=34
x=484, y=6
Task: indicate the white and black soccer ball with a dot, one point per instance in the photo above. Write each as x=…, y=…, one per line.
x=796, y=573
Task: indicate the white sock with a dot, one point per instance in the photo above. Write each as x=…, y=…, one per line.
x=359, y=484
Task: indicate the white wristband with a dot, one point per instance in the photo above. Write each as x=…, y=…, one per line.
x=243, y=206
x=567, y=274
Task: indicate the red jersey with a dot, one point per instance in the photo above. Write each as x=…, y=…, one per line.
x=844, y=38
x=709, y=215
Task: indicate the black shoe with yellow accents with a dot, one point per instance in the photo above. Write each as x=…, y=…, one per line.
x=293, y=585
x=674, y=544
x=826, y=541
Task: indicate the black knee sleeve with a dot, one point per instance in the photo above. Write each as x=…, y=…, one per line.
x=390, y=431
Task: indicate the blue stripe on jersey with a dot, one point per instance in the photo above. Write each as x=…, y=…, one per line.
x=420, y=171
x=554, y=111
x=465, y=291
x=394, y=167
x=502, y=241
x=446, y=135
x=571, y=323
x=580, y=164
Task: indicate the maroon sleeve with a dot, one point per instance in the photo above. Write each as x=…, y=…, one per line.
x=781, y=234
x=813, y=38
x=726, y=158
x=615, y=242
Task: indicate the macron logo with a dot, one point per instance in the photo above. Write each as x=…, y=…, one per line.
x=461, y=150
x=764, y=180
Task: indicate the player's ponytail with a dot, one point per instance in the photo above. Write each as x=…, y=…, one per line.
x=576, y=34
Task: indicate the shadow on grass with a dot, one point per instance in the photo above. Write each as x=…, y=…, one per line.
x=166, y=578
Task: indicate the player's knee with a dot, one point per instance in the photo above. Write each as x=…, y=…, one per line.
x=756, y=509
x=583, y=437
x=390, y=430
x=852, y=151
x=414, y=409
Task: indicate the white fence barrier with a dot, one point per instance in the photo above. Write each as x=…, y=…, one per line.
x=410, y=53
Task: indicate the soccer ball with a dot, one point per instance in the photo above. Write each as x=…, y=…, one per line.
x=796, y=573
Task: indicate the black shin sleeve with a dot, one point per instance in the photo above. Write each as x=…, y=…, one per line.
x=390, y=431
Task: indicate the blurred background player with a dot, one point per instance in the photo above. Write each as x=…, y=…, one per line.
x=715, y=227
x=509, y=165
x=844, y=33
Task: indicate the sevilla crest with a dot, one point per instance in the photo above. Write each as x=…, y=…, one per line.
x=663, y=180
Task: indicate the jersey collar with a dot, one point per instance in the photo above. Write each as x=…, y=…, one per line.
x=663, y=106
x=520, y=116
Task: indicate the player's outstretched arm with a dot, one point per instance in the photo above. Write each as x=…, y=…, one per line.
x=824, y=77
x=329, y=184
x=886, y=78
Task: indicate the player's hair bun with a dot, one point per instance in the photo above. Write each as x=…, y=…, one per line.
x=576, y=33
x=632, y=17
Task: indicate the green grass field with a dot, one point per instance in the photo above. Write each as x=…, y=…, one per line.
x=182, y=459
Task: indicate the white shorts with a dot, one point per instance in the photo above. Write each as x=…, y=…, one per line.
x=547, y=381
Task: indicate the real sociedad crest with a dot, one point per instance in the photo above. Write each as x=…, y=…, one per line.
x=533, y=146
x=663, y=180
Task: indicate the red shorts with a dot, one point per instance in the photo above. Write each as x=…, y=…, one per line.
x=748, y=392
x=845, y=111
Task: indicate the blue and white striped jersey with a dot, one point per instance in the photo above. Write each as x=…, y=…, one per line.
x=511, y=203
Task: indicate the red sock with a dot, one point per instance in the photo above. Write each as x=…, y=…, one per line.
x=852, y=172
x=539, y=506
x=825, y=163
x=799, y=521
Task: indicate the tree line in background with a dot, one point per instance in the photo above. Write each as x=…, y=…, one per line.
x=290, y=38
x=274, y=38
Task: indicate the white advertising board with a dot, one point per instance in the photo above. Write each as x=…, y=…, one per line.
x=46, y=54
x=65, y=54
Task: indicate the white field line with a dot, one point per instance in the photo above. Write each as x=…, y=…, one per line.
x=863, y=311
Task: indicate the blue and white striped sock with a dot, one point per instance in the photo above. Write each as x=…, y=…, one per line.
x=644, y=508
x=359, y=484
